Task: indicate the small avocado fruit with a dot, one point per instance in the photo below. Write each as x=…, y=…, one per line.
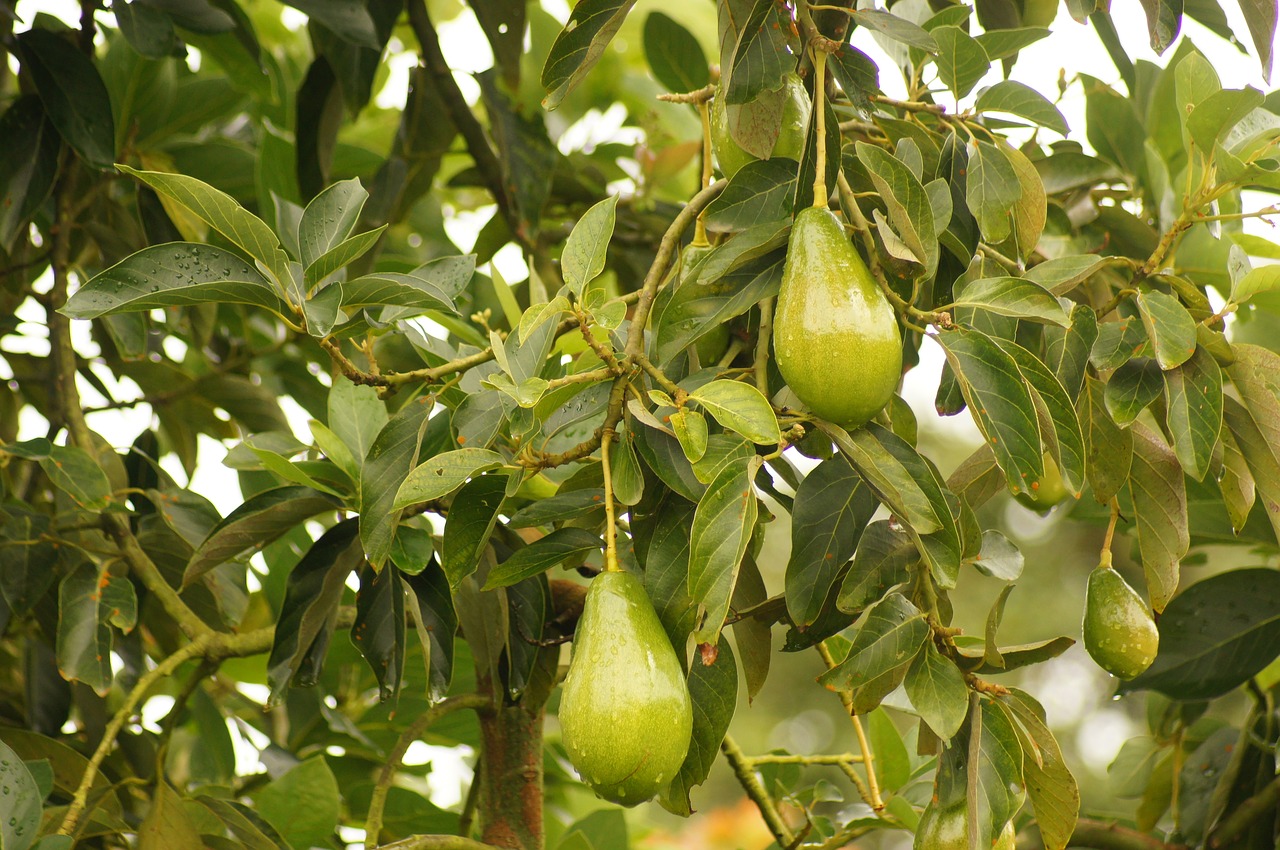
x=835, y=335
x=1119, y=633
x=947, y=828
x=1050, y=492
x=625, y=712
x=730, y=156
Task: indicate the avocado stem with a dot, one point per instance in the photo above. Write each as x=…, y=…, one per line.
x=1104, y=560
x=872, y=798
x=700, y=224
x=820, y=193
x=611, y=520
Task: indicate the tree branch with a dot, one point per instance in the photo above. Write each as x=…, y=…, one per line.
x=755, y=790
x=1238, y=822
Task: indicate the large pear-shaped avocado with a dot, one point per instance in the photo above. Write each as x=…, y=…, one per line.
x=834, y=333
x=795, y=120
x=947, y=828
x=1118, y=630
x=625, y=712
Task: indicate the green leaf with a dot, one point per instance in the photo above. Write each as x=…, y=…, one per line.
x=84, y=636
x=378, y=630
x=961, y=60
x=309, y=611
x=1215, y=635
x=584, y=252
x=1170, y=327
x=883, y=560
x=1260, y=17
x=1193, y=392
x=1001, y=404
x=1065, y=439
x=999, y=558
x=1013, y=296
x=472, y=515
x=665, y=557
x=580, y=44
x=350, y=20
x=759, y=61
x=1063, y=274
x=329, y=219
x=356, y=415
x=714, y=690
x=1160, y=510
x=443, y=474
x=1050, y=785
x=761, y=192
x=221, y=212
x=1013, y=98
x=628, y=477
x=340, y=255
x=1133, y=387
x=674, y=55
x=893, y=763
x=29, y=152
x=303, y=804
x=557, y=508
x=176, y=274
x=74, y=96
x=74, y=471
x=690, y=428
x=541, y=555
x=832, y=507
x=1256, y=424
x=993, y=782
x=431, y=606
x=392, y=290
x=890, y=636
x=936, y=688
x=991, y=190
x=168, y=825
x=1214, y=117
x=907, y=201
x=722, y=527
x=388, y=463
x=261, y=519
x=1108, y=448
x=20, y=805
x=1255, y=282
x=897, y=28
x=740, y=407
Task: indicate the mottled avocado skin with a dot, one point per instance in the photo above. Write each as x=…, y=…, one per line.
x=625, y=712
x=1118, y=630
x=730, y=156
x=835, y=334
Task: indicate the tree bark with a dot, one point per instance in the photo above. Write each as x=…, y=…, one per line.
x=511, y=789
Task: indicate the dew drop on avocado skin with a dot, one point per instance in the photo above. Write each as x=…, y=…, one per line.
x=835, y=335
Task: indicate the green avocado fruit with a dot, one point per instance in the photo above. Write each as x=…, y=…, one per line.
x=625, y=713
x=947, y=828
x=835, y=335
x=795, y=121
x=1119, y=633
x=1051, y=491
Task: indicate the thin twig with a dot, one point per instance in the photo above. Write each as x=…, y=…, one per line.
x=756, y=791
x=763, y=336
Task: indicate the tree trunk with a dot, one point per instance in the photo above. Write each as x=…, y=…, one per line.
x=511, y=789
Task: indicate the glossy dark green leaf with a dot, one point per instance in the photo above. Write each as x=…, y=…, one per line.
x=628, y=477
x=722, y=528
x=557, y=508
x=884, y=645
x=1001, y=404
x=430, y=605
x=936, y=688
x=1193, y=392
x=84, y=635
x=857, y=75
x=28, y=163
x=74, y=96
x=1133, y=387
x=1013, y=98
x=713, y=689
x=961, y=60
x=584, y=251
x=674, y=55
x=329, y=219
x=666, y=572
x=310, y=608
x=1215, y=635
x=1067, y=352
x=74, y=471
x=349, y=19
x=261, y=519
x=895, y=27
x=1117, y=342
x=1013, y=296
x=225, y=215
x=356, y=415
x=378, y=630
x=557, y=547
x=910, y=212
x=1170, y=327
x=443, y=474
x=20, y=805
x=27, y=560
x=580, y=44
x=663, y=454
x=832, y=508
x=1054, y=794
x=759, y=60
x=1160, y=509
x=884, y=558
x=472, y=515
x=1066, y=442
x=1108, y=448
x=760, y=192
x=304, y=804
x=994, y=784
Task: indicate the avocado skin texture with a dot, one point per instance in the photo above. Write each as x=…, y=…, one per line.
x=947, y=828
x=834, y=333
x=625, y=712
x=1051, y=491
x=1119, y=633
x=730, y=156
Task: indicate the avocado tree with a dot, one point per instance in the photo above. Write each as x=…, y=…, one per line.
x=231, y=227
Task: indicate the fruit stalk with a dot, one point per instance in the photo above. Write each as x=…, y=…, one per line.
x=700, y=225
x=611, y=519
x=872, y=797
x=820, y=193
